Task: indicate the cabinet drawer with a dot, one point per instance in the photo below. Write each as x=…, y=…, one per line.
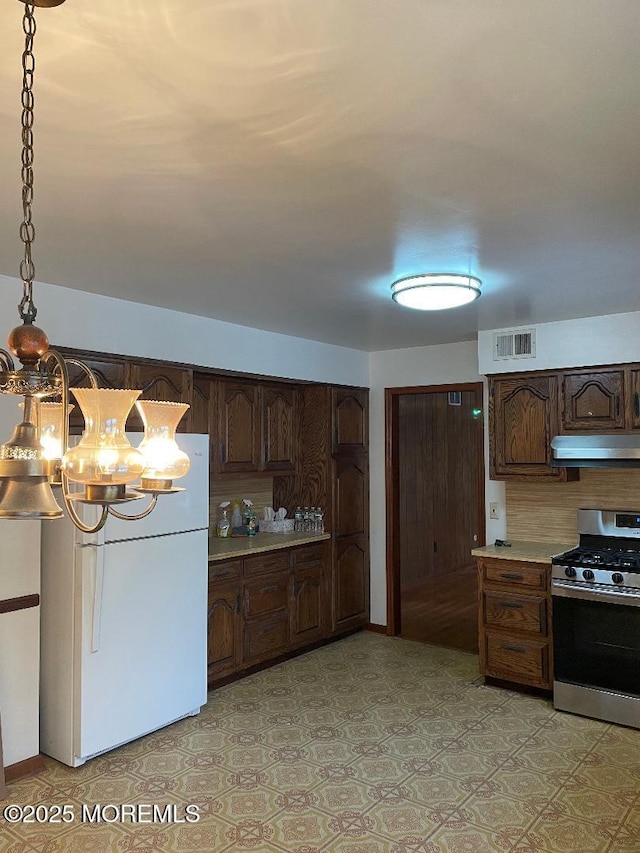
x=266, y=563
x=523, y=612
x=264, y=595
x=517, y=659
x=308, y=554
x=526, y=575
x=264, y=638
x=225, y=569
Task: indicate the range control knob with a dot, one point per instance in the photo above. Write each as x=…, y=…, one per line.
x=570, y=572
x=616, y=577
x=588, y=575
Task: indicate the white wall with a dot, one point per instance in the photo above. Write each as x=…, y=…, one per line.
x=88, y=321
x=435, y=365
x=570, y=343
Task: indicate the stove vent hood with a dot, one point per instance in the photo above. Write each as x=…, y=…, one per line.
x=596, y=451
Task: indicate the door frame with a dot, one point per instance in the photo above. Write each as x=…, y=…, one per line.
x=391, y=405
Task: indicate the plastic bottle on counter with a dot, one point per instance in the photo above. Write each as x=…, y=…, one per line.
x=236, y=515
x=223, y=527
x=297, y=520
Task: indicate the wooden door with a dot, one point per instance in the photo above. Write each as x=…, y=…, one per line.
x=440, y=480
x=238, y=427
x=278, y=427
x=593, y=400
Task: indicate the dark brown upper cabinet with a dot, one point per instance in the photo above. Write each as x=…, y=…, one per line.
x=204, y=413
x=634, y=398
x=278, y=428
x=161, y=382
x=351, y=496
x=350, y=407
x=238, y=427
x=524, y=415
x=594, y=400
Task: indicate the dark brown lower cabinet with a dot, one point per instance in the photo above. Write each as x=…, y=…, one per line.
x=266, y=617
x=265, y=605
x=224, y=651
x=350, y=584
x=514, y=622
x=307, y=605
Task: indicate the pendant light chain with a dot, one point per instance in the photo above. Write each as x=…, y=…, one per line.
x=27, y=308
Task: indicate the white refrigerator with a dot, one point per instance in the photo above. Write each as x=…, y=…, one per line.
x=124, y=619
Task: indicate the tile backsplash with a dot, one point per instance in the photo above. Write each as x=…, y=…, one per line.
x=546, y=512
x=257, y=489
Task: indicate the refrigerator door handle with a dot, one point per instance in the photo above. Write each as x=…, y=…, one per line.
x=96, y=610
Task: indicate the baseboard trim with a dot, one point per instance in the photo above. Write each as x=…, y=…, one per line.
x=28, y=767
x=377, y=629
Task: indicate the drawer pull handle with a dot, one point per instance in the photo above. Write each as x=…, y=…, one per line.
x=636, y=405
x=267, y=589
x=222, y=574
x=266, y=631
x=512, y=605
x=517, y=649
x=512, y=576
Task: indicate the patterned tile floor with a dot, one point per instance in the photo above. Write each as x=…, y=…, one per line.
x=369, y=745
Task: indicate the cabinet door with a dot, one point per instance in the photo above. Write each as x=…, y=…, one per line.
x=161, y=382
x=350, y=408
x=307, y=604
x=238, y=427
x=278, y=428
x=594, y=400
x=350, y=496
x=203, y=413
x=634, y=394
x=524, y=415
x=350, y=584
x=224, y=630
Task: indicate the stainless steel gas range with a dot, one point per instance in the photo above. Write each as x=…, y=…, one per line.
x=596, y=619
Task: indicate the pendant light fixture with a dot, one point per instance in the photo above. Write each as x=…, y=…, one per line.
x=103, y=465
x=435, y=291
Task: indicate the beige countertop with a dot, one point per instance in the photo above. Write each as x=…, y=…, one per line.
x=527, y=552
x=242, y=546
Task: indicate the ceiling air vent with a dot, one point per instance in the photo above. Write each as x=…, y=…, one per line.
x=520, y=344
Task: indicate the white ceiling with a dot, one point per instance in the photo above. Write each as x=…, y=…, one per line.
x=277, y=163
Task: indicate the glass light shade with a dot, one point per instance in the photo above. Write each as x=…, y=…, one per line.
x=104, y=455
x=50, y=428
x=162, y=457
x=435, y=291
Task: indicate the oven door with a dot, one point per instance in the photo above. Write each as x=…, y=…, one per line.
x=596, y=652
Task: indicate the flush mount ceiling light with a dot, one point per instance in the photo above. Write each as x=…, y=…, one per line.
x=435, y=291
x=103, y=466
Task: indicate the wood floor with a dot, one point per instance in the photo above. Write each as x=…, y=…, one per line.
x=443, y=610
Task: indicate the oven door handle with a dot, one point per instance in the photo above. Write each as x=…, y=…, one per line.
x=605, y=596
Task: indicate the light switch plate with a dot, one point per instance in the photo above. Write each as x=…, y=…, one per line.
x=494, y=510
